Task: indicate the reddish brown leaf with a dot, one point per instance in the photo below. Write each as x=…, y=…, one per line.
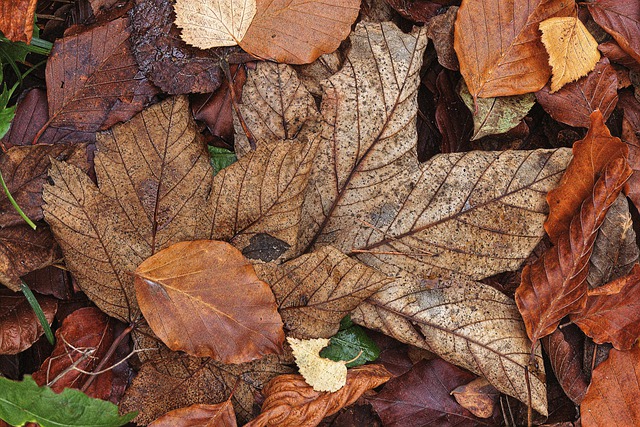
x=16, y=19
x=613, y=317
x=498, y=45
x=203, y=297
x=478, y=396
x=291, y=402
x=421, y=397
x=574, y=103
x=453, y=118
x=555, y=285
x=219, y=415
x=630, y=129
x=50, y=280
x=590, y=156
x=416, y=10
x=621, y=19
x=19, y=326
x=440, y=31
x=613, y=394
x=102, y=87
x=618, y=56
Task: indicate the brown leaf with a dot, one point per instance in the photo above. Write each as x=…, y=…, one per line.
x=630, y=136
x=613, y=318
x=614, y=391
x=315, y=291
x=103, y=87
x=299, y=31
x=17, y=17
x=422, y=397
x=574, y=103
x=440, y=31
x=453, y=118
x=290, y=402
x=50, y=280
x=506, y=57
x=466, y=323
x=219, y=415
x=479, y=397
x=19, y=326
x=620, y=19
x=555, y=285
x=591, y=155
x=416, y=10
x=24, y=169
x=614, y=52
x=204, y=298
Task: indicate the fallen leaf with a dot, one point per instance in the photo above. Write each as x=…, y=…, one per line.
x=555, y=285
x=290, y=402
x=204, y=298
x=478, y=397
x=453, y=118
x=219, y=415
x=630, y=125
x=416, y=10
x=440, y=31
x=422, y=397
x=17, y=19
x=507, y=57
x=591, y=154
x=614, y=52
x=19, y=326
x=574, y=103
x=466, y=323
x=613, y=392
x=613, y=318
x=299, y=31
x=573, y=51
x=621, y=20
x=315, y=291
x=496, y=115
x=352, y=344
x=320, y=373
x=51, y=281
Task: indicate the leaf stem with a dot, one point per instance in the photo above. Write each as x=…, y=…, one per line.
x=35, y=305
x=15, y=204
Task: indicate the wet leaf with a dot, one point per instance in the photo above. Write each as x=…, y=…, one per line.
x=478, y=397
x=219, y=415
x=351, y=344
x=204, y=298
x=320, y=373
x=17, y=19
x=573, y=51
x=574, y=103
x=507, y=57
x=290, y=402
x=19, y=326
x=620, y=19
x=440, y=31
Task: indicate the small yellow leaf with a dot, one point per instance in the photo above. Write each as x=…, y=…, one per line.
x=320, y=373
x=213, y=23
x=573, y=51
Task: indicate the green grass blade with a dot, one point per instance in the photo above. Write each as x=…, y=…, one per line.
x=35, y=305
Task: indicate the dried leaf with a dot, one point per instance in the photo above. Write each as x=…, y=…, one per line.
x=421, y=397
x=17, y=19
x=573, y=51
x=440, y=31
x=620, y=19
x=219, y=415
x=19, y=326
x=453, y=118
x=574, y=103
x=613, y=318
x=290, y=402
x=630, y=126
x=614, y=52
x=496, y=115
x=614, y=391
x=416, y=10
x=50, y=280
x=320, y=373
x=315, y=291
x=591, y=155
x=204, y=298
x=299, y=31
x=555, y=285
x=479, y=397
x=466, y=323
x=499, y=47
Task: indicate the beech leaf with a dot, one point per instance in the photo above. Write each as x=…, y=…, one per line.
x=479, y=397
x=320, y=373
x=19, y=326
x=219, y=415
x=630, y=123
x=621, y=20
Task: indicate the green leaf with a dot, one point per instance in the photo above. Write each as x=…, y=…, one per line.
x=25, y=401
x=348, y=343
x=221, y=158
x=6, y=116
x=346, y=322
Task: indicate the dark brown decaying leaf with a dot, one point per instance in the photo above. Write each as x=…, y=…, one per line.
x=620, y=19
x=614, y=390
x=219, y=415
x=204, y=298
x=103, y=88
x=50, y=280
x=614, y=52
x=422, y=397
x=453, y=118
x=478, y=396
x=630, y=126
x=291, y=402
x=506, y=57
x=19, y=326
x=416, y=10
x=17, y=18
x=555, y=285
x=574, y=103
x=440, y=31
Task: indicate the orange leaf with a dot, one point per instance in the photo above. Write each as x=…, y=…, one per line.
x=555, y=285
x=612, y=398
x=299, y=31
x=204, y=298
x=16, y=19
x=218, y=415
x=498, y=45
x=590, y=156
x=612, y=313
x=291, y=402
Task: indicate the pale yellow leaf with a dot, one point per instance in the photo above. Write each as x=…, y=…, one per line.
x=573, y=51
x=320, y=373
x=213, y=23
